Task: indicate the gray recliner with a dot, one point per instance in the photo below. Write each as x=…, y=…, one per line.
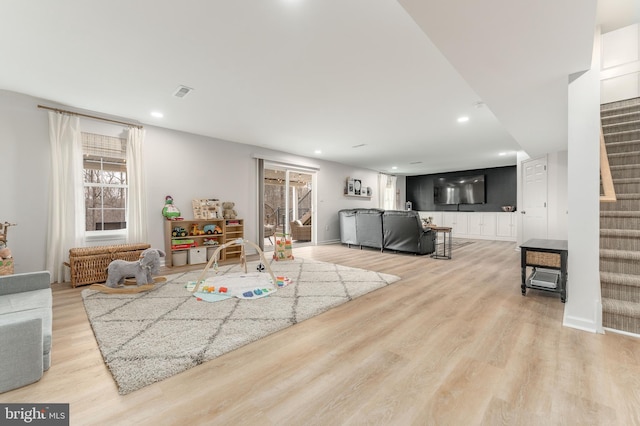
x=25, y=328
x=403, y=231
x=347, y=219
x=369, y=227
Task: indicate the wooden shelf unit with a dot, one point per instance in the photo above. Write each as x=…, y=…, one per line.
x=234, y=229
x=229, y=232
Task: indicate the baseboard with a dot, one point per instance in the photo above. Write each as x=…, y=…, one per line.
x=327, y=242
x=624, y=333
x=580, y=324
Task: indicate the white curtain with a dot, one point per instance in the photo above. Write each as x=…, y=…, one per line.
x=137, y=202
x=387, y=191
x=66, y=193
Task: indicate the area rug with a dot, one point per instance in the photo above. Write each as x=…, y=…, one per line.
x=148, y=337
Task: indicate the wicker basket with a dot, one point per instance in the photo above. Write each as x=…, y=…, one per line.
x=6, y=266
x=540, y=258
x=89, y=264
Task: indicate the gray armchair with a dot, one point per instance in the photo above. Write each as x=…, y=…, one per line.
x=25, y=328
x=403, y=231
x=369, y=227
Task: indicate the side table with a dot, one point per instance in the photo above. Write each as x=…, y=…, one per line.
x=549, y=255
x=445, y=231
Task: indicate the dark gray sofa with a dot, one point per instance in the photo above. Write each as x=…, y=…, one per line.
x=403, y=231
x=396, y=230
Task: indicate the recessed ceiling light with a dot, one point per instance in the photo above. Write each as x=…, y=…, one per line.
x=157, y=114
x=463, y=119
x=394, y=168
x=317, y=151
x=502, y=154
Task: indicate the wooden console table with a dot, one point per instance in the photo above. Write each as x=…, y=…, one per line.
x=546, y=254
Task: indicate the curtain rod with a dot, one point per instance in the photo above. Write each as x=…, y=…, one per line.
x=139, y=126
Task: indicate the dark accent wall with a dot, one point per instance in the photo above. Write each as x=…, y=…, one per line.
x=500, y=190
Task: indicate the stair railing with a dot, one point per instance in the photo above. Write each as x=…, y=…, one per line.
x=609, y=195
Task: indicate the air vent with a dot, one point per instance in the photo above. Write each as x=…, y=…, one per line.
x=182, y=91
x=359, y=146
x=416, y=162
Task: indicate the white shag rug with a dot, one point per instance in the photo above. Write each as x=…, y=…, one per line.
x=148, y=337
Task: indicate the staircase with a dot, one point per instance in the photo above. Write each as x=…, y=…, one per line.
x=620, y=220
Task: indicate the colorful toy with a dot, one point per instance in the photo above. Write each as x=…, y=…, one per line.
x=283, y=250
x=195, y=230
x=170, y=211
x=178, y=231
x=212, y=229
x=243, y=285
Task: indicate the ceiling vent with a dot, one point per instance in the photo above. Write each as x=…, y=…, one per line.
x=182, y=91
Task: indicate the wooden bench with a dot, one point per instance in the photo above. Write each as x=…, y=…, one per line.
x=88, y=265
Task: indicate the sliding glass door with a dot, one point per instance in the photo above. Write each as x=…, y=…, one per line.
x=287, y=203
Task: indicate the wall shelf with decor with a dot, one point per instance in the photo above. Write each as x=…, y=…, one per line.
x=355, y=188
x=194, y=241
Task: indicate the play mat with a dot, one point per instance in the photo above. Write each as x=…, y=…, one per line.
x=243, y=285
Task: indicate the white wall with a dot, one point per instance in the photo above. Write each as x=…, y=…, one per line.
x=583, y=308
x=620, y=63
x=24, y=177
x=180, y=164
x=557, y=180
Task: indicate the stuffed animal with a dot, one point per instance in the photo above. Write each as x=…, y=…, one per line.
x=170, y=211
x=5, y=252
x=142, y=270
x=227, y=210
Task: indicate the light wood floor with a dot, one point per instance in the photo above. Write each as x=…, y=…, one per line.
x=453, y=343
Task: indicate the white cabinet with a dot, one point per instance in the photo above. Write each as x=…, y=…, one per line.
x=476, y=225
x=481, y=225
x=458, y=222
x=507, y=226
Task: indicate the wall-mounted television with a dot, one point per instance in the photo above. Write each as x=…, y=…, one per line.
x=459, y=190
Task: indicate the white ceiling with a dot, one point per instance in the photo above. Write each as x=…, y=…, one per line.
x=301, y=75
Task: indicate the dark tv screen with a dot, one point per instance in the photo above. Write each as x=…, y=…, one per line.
x=459, y=190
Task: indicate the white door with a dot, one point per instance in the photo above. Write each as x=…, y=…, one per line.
x=534, y=199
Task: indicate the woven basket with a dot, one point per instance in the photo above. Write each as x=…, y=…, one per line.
x=6, y=266
x=538, y=258
x=89, y=264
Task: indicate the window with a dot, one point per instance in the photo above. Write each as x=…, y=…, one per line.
x=105, y=182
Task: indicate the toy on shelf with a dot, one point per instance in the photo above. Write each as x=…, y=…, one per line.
x=178, y=231
x=227, y=210
x=206, y=208
x=212, y=229
x=195, y=230
x=170, y=211
x=210, y=242
x=182, y=244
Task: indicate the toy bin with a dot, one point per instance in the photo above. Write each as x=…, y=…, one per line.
x=179, y=258
x=197, y=255
x=210, y=251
